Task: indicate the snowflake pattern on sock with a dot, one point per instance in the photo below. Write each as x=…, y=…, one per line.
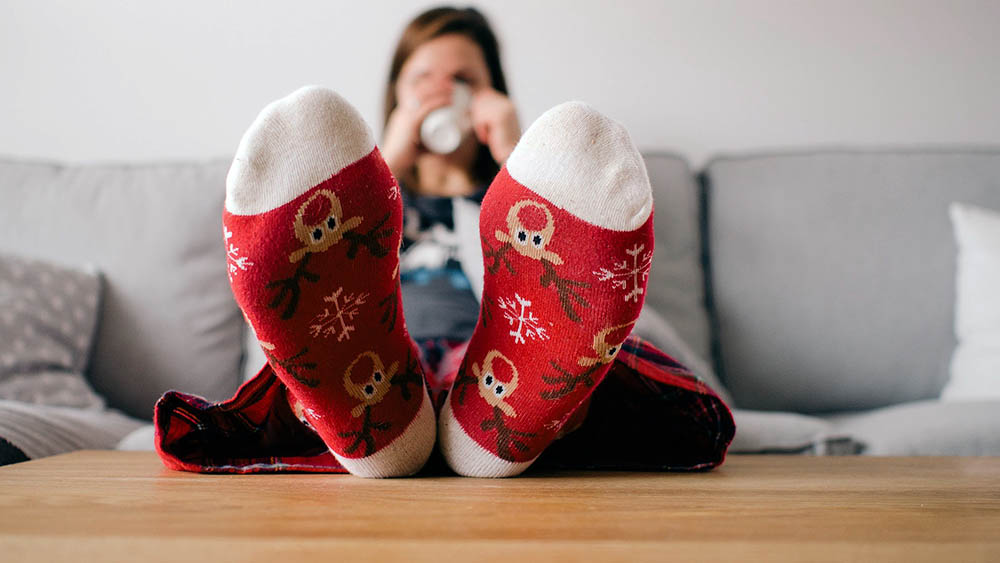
x=235, y=262
x=345, y=309
x=516, y=312
x=621, y=273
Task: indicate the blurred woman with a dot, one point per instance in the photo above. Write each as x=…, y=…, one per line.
x=440, y=51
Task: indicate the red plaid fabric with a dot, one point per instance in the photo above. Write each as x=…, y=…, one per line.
x=650, y=413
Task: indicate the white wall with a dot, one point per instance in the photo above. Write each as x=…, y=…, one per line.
x=182, y=79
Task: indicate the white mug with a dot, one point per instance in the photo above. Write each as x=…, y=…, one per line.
x=444, y=128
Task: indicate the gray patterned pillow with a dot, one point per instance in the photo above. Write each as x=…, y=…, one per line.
x=48, y=316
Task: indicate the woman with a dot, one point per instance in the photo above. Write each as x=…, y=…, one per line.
x=439, y=48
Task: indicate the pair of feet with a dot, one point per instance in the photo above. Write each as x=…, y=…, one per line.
x=313, y=224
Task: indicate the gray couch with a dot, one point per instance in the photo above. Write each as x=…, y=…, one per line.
x=814, y=291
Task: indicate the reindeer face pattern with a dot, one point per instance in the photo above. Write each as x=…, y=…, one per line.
x=605, y=351
x=530, y=229
x=320, y=224
x=567, y=381
x=492, y=389
x=526, y=241
x=371, y=391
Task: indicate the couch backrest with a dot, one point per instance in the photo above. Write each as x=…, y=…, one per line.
x=168, y=319
x=676, y=284
x=833, y=273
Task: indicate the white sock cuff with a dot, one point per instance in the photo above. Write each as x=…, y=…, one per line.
x=294, y=144
x=585, y=163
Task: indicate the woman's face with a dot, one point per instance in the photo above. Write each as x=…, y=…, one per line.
x=435, y=65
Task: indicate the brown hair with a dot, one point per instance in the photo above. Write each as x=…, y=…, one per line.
x=433, y=24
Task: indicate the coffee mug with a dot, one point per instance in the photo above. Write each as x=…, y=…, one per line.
x=444, y=128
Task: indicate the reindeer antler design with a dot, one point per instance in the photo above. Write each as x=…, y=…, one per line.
x=507, y=437
x=567, y=380
x=293, y=366
x=365, y=435
x=565, y=288
x=498, y=256
x=462, y=381
x=290, y=288
x=411, y=375
x=372, y=239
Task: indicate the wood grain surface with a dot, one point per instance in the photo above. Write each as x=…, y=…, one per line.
x=125, y=506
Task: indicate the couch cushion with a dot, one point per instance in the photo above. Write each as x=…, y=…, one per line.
x=44, y=430
x=975, y=365
x=833, y=274
x=766, y=432
x=675, y=287
x=48, y=314
x=167, y=317
x=926, y=428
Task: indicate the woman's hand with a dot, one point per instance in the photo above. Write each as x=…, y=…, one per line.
x=494, y=119
x=401, y=143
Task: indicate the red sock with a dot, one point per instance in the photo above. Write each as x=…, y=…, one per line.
x=313, y=223
x=567, y=234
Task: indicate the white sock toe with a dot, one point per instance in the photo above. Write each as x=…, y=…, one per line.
x=465, y=456
x=585, y=163
x=403, y=456
x=295, y=143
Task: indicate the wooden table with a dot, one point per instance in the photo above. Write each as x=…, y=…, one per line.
x=125, y=506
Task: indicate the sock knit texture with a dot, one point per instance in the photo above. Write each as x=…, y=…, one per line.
x=312, y=226
x=567, y=236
